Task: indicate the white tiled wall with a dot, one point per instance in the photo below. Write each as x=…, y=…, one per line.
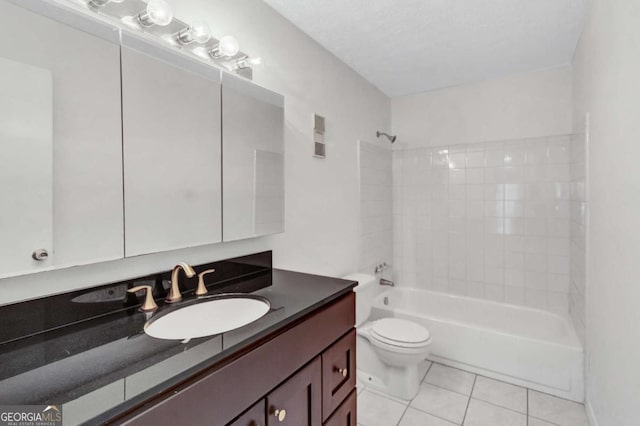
x=578, y=236
x=488, y=220
x=376, y=223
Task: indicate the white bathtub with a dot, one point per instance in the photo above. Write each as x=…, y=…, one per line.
x=515, y=344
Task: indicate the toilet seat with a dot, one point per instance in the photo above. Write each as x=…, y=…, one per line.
x=400, y=333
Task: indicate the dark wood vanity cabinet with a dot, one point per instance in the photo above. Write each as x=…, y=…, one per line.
x=338, y=373
x=254, y=416
x=305, y=375
x=346, y=414
x=298, y=401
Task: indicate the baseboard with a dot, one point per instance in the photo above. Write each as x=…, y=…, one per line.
x=591, y=416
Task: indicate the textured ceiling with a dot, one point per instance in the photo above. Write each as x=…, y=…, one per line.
x=411, y=46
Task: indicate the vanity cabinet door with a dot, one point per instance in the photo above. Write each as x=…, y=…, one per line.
x=338, y=373
x=346, y=414
x=297, y=402
x=60, y=138
x=253, y=160
x=254, y=416
x=171, y=128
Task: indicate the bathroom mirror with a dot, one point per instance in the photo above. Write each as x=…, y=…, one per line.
x=26, y=150
x=59, y=112
x=171, y=139
x=253, y=160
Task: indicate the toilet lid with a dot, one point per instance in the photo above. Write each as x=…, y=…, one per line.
x=400, y=332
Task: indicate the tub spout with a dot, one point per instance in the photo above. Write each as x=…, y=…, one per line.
x=386, y=282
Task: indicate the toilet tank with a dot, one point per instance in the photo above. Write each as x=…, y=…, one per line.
x=366, y=290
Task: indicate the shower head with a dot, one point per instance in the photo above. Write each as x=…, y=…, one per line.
x=392, y=139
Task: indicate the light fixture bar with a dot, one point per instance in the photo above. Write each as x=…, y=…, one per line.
x=156, y=19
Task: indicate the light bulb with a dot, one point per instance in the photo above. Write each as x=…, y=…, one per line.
x=245, y=62
x=228, y=46
x=199, y=32
x=158, y=12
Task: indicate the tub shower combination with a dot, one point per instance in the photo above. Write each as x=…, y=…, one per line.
x=515, y=344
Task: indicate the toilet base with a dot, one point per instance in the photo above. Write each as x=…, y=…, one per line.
x=399, y=382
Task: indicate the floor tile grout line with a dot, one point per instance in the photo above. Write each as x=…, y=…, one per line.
x=435, y=415
x=387, y=397
x=406, y=407
x=499, y=381
x=425, y=374
x=543, y=420
x=491, y=378
x=556, y=396
x=499, y=406
x=469, y=400
x=456, y=392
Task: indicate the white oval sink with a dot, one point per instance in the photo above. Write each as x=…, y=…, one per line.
x=214, y=315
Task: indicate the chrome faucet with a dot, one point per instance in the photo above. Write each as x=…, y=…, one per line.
x=174, y=293
x=386, y=282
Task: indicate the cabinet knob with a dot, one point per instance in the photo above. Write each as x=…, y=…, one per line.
x=342, y=371
x=40, y=255
x=280, y=414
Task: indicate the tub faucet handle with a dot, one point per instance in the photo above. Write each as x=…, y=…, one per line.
x=386, y=282
x=382, y=267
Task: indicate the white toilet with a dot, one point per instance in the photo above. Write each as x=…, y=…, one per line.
x=390, y=352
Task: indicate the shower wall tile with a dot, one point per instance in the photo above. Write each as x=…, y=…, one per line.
x=376, y=211
x=489, y=220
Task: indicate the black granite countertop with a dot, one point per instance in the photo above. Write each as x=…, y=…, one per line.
x=102, y=361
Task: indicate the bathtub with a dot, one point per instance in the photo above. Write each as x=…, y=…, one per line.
x=515, y=344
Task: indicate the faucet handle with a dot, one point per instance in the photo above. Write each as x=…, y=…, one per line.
x=202, y=289
x=149, y=304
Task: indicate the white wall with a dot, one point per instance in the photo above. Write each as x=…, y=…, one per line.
x=376, y=219
x=529, y=105
x=606, y=84
x=322, y=203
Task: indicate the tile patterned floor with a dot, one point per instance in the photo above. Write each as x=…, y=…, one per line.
x=450, y=397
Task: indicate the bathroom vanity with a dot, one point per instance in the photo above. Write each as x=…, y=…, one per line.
x=304, y=375
x=88, y=352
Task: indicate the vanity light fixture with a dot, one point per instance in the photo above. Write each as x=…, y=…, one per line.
x=156, y=19
x=157, y=12
x=228, y=46
x=244, y=62
x=97, y=4
x=199, y=32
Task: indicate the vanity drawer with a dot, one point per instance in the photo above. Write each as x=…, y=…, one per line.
x=338, y=373
x=254, y=416
x=346, y=414
x=297, y=401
